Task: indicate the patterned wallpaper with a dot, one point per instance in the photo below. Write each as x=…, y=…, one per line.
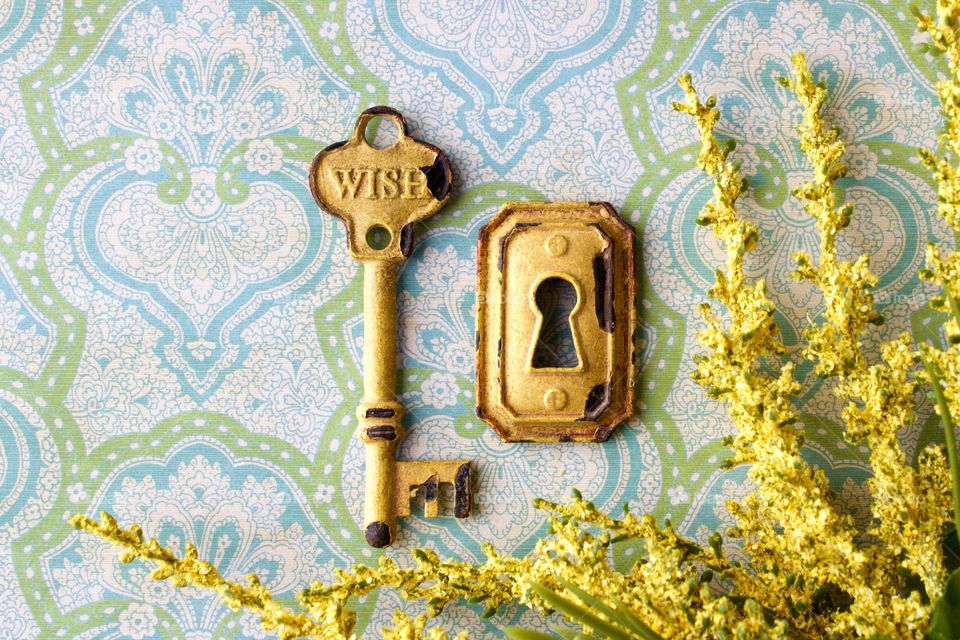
x=180, y=327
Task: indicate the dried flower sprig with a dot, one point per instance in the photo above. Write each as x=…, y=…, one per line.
x=943, y=268
x=324, y=618
x=908, y=503
x=192, y=571
x=666, y=595
x=788, y=523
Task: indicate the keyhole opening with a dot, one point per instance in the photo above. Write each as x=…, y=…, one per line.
x=556, y=299
x=381, y=132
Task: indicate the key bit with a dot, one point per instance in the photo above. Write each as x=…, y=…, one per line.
x=380, y=194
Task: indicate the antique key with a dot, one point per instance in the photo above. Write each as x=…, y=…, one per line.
x=380, y=194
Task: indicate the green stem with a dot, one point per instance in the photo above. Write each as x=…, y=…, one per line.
x=949, y=437
x=954, y=306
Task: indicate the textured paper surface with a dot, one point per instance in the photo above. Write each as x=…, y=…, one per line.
x=180, y=327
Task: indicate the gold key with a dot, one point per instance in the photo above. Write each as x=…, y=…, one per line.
x=380, y=194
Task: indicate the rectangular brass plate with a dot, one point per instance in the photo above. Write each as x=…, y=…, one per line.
x=591, y=248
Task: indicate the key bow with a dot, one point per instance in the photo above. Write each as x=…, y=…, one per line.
x=383, y=190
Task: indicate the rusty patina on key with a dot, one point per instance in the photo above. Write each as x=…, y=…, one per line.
x=386, y=191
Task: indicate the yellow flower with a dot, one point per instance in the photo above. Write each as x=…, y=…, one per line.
x=908, y=507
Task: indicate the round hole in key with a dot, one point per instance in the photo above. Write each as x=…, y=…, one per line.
x=378, y=237
x=381, y=132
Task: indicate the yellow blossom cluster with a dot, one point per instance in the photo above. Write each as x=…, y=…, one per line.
x=759, y=404
x=192, y=571
x=797, y=542
x=945, y=39
x=322, y=620
x=943, y=268
x=666, y=595
x=794, y=536
x=910, y=505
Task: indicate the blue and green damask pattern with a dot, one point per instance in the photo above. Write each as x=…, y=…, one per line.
x=180, y=328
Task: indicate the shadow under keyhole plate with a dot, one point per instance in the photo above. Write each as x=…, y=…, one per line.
x=590, y=247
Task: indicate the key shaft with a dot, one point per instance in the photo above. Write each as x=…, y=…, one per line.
x=379, y=413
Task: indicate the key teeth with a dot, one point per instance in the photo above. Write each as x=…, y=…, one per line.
x=463, y=497
x=431, y=493
x=413, y=474
x=431, y=488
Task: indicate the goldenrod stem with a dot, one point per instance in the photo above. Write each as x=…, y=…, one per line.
x=949, y=436
x=954, y=306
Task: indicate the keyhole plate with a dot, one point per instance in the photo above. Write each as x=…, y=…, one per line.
x=591, y=248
